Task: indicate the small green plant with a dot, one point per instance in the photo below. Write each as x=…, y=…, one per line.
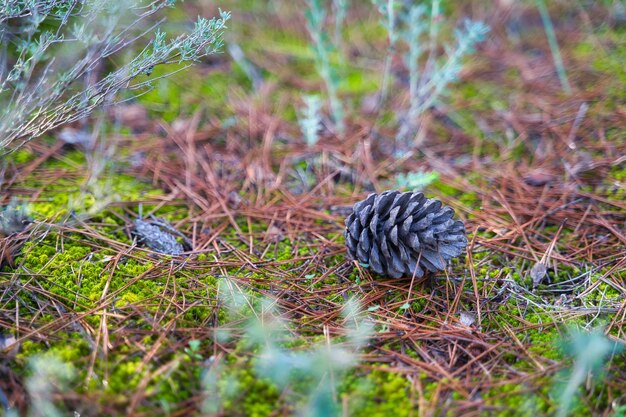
x=316, y=371
x=13, y=218
x=310, y=119
x=55, y=56
x=419, y=31
x=589, y=352
x=417, y=180
x=323, y=48
x=48, y=374
x=193, y=350
x=387, y=10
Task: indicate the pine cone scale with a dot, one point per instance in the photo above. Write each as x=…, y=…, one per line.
x=374, y=226
x=374, y=260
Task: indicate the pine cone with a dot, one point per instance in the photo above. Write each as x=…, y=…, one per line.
x=402, y=234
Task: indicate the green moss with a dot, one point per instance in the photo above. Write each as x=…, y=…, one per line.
x=243, y=393
x=468, y=199
x=483, y=96
x=78, y=274
x=516, y=400
x=21, y=156
x=125, y=375
x=73, y=194
x=618, y=173
x=357, y=82
x=186, y=91
x=378, y=394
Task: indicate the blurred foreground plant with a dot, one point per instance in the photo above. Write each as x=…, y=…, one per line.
x=54, y=56
x=416, y=180
x=412, y=29
x=314, y=372
x=589, y=352
x=48, y=376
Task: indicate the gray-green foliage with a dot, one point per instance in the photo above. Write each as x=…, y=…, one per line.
x=413, y=29
x=418, y=28
x=323, y=365
x=323, y=48
x=387, y=10
x=416, y=180
x=448, y=70
x=310, y=119
x=317, y=370
x=54, y=58
x=589, y=352
x=49, y=374
x=554, y=46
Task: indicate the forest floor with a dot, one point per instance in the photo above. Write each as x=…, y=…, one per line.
x=264, y=314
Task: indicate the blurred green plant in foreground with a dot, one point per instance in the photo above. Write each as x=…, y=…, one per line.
x=316, y=370
x=589, y=351
x=53, y=53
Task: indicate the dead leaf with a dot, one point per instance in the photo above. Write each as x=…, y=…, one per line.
x=467, y=318
x=8, y=345
x=134, y=116
x=539, y=178
x=274, y=234
x=538, y=273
